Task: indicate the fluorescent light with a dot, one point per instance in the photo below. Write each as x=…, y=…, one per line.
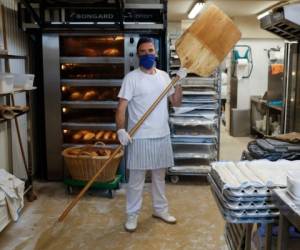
x=260, y=16
x=195, y=10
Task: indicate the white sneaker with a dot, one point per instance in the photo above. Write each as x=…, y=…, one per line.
x=166, y=217
x=131, y=222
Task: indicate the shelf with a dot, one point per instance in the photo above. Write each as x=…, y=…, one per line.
x=90, y=104
x=205, y=156
x=92, y=126
x=92, y=60
x=19, y=114
x=275, y=108
x=92, y=83
x=6, y=56
x=17, y=90
x=189, y=170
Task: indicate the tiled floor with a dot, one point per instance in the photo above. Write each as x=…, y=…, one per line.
x=97, y=222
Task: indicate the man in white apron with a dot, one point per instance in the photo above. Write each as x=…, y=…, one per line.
x=150, y=148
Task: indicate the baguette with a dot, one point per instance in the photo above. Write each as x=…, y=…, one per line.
x=99, y=135
x=107, y=135
x=114, y=136
x=88, y=136
x=77, y=136
x=76, y=96
x=90, y=95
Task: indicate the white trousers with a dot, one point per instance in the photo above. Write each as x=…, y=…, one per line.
x=135, y=191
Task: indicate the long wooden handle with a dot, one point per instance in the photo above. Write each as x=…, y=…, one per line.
x=116, y=151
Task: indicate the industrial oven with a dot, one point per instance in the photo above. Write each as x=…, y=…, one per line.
x=85, y=57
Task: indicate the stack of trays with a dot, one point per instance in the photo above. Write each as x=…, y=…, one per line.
x=243, y=190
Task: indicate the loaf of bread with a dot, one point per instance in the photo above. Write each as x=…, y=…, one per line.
x=114, y=136
x=74, y=151
x=90, y=151
x=99, y=135
x=111, y=52
x=89, y=136
x=90, y=95
x=77, y=136
x=107, y=135
x=76, y=96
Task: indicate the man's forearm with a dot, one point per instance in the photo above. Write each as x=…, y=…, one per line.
x=177, y=96
x=120, y=120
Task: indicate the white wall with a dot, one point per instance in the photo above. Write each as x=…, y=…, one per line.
x=257, y=84
x=174, y=28
x=17, y=45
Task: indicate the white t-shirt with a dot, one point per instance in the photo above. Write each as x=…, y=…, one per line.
x=141, y=90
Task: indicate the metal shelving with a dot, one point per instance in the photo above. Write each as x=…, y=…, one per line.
x=195, y=125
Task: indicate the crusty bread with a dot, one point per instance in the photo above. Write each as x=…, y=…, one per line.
x=88, y=136
x=99, y=135
x=76, y=96
x=90, y=95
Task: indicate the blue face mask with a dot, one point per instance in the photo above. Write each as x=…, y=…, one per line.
x=147, y=61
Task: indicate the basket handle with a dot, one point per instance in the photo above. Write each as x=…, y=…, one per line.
x=100, y=143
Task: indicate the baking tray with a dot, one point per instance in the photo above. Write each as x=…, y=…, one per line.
x=197, y=99
x=192, y=121
x=201, y=169
x=193, y=148
x=200, y=140
x=264, y=216
x=206, y=114
x=250, y=191
x=240, y=205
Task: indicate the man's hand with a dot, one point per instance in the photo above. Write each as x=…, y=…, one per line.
x=124, y=137
x=182, y=72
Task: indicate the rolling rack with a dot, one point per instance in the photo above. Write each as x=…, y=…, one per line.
x=195, y=125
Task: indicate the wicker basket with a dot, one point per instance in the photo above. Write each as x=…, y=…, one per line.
x=85, y=167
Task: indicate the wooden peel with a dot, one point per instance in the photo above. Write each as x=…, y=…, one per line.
x=199, y=53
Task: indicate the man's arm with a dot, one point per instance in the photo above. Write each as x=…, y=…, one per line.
x=176, y=98
x=120, y=113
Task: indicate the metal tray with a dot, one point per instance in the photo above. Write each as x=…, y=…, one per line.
x=201, y=169
x=232, y=217
x=250, y=191
x=240, y=205
x=192, y=121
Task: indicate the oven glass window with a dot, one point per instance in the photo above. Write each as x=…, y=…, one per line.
x=78, y=115
x=89, y=93
x=92, y=46
x=92, y=71
x=86, y=136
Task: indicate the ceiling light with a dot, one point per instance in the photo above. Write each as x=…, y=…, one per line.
x=260, y=16
x=195, y=10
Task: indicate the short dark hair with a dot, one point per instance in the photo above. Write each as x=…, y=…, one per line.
x=144, y=40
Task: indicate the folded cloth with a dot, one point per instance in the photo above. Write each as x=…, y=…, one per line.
x=13, y=188
x=258, y=152
x=276, y=68
x=293, y=137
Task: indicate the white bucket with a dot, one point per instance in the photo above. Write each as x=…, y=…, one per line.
x=293, y=182
x=6, y=82
x=24, y=81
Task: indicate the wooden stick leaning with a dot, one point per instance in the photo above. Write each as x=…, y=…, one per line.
x=116, y=151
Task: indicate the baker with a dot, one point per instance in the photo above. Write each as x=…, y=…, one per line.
x=150, y=148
